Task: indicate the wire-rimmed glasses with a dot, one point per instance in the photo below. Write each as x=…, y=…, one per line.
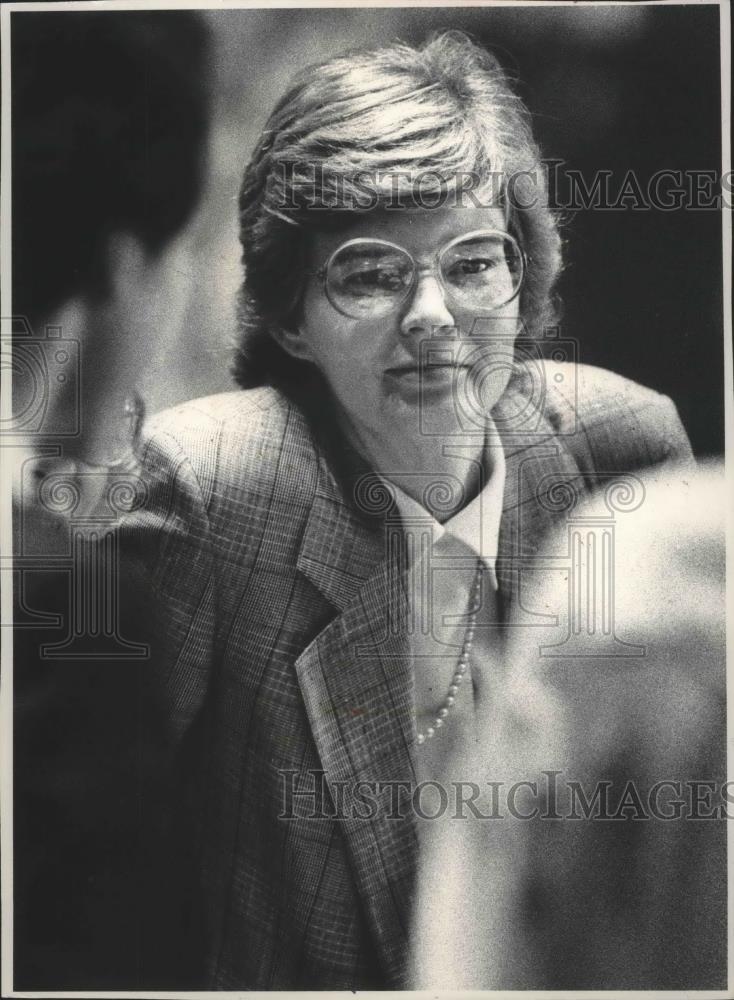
x=480, y=271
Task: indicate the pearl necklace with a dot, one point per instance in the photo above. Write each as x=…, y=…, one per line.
x=463, y=663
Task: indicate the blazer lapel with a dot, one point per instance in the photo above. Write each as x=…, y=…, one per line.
x=339, y=551
x=356, y=680
x=541, y=478
x=357, y=685
x=344, y=539
x=356, y=676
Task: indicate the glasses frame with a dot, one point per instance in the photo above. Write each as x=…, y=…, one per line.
x=434, y=268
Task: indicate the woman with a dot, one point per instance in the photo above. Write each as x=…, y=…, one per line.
x=394, y=429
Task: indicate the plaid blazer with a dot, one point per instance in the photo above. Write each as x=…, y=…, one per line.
x=275, y=659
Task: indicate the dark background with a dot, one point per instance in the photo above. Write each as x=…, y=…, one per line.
x=613, y=88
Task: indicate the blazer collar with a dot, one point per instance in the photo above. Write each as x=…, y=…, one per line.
x=541, y=472
x=348, y=530
x=344, y=538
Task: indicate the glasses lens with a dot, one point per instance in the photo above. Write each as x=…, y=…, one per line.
x=483, y=271
x=366, y=278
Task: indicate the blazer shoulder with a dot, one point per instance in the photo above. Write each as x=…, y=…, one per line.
x=610, y=420
x=238, y=439
x=235, y=410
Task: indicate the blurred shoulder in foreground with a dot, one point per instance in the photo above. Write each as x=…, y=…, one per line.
x=605, y=868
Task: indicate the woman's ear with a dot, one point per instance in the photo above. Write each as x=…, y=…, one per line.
x=293, y=341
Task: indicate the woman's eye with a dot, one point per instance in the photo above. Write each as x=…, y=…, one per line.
x=473, y=265
x=375, y=279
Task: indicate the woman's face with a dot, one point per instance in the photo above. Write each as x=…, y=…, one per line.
x=435, y=363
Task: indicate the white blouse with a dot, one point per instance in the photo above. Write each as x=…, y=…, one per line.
x=443, y=560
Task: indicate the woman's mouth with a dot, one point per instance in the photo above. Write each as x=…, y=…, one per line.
x=425, y=374
x=416, y=381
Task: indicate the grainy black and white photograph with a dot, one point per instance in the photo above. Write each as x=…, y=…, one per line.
x=366, y=372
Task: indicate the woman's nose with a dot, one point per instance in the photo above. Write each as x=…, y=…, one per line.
x=427, y=311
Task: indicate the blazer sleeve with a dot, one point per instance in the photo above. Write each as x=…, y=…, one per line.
x=168, y=603
x=168, y=586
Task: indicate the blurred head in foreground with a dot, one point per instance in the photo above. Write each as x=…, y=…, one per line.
x=109, y=113
x=612, y=880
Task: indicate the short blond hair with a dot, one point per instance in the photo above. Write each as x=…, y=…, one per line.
x=430, y=118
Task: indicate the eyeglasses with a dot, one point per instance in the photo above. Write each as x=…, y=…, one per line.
x=368, y=278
